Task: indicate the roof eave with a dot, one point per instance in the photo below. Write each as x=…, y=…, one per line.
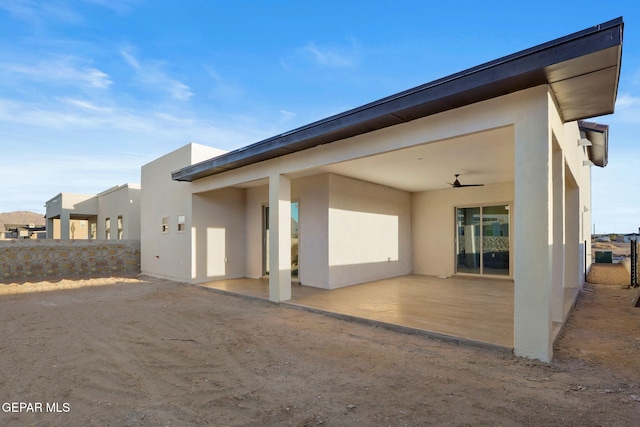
x=598, y=134
x=572, y=65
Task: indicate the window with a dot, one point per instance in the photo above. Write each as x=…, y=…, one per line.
x=181, y=223
x=165, y=225
x=107, y=228
x=120, y=227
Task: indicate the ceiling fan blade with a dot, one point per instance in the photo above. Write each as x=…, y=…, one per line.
x=456, y=183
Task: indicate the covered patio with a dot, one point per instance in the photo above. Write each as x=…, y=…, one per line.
x=470, y=310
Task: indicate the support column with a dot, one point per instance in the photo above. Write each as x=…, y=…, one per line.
x=65, y=222
x=573, y=246
x=50, y=222
x=533, y=233
x=558, y=252
x=279, y=238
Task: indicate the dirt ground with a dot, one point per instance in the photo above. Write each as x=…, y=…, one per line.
x=141, y=351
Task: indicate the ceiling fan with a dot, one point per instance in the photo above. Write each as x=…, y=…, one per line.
x=456, y=183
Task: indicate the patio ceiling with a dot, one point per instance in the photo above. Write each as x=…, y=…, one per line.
x=483, y=158
x=582, y=70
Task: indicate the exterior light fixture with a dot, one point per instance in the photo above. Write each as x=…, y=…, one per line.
x=584, y=142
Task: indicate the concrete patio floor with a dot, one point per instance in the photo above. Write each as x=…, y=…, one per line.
x=477, y=311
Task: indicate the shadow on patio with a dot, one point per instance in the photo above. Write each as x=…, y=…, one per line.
x=476, y=311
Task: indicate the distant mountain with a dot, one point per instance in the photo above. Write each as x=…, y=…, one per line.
x=21, y=217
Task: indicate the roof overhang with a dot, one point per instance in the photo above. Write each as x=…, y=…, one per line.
x=582, y=70
x=598, y=135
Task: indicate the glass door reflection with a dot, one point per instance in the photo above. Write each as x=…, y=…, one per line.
x=468, y=247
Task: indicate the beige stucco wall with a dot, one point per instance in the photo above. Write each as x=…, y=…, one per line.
x=369, y=232
x=434, y=223
x=366, y=228
x=312, y=194
x=313, y=253
x=577, y=208
x=122, y=200
x=165, y=254
x=218, y=235
x=255, y=199
x=168, y=254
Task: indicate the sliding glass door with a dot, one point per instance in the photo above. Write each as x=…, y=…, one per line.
x=482, y=240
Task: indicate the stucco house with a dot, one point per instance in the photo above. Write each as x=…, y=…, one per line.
x=23, y=231
x=382, y=191
x=113, y=214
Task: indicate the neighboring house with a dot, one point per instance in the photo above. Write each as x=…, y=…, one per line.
x=113, y=214
x=633, y=237
x=24, y=231
x=367, y=189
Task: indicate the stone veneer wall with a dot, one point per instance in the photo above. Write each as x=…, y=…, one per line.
x=22, y=260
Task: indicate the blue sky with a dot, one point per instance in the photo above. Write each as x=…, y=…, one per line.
x=90, y=90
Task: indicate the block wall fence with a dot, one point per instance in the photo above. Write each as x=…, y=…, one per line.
x=23, y=260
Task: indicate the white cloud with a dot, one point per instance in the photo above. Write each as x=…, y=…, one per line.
x=177, y=89
x=120, y=6
x=174, y=119
x=61, y=70
x=40, y=13
x=47, y=116
x=130, y=59
x=223, y=89
x=71, y=119
x=96, y=78
x=43, y=13
x=627, y=101
x=151, y=75
x=627, y=109
x=286, y=116
x=86, y=105
x=60, y=11
x=331, y=58
x=24, y=10
x=77, y=145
